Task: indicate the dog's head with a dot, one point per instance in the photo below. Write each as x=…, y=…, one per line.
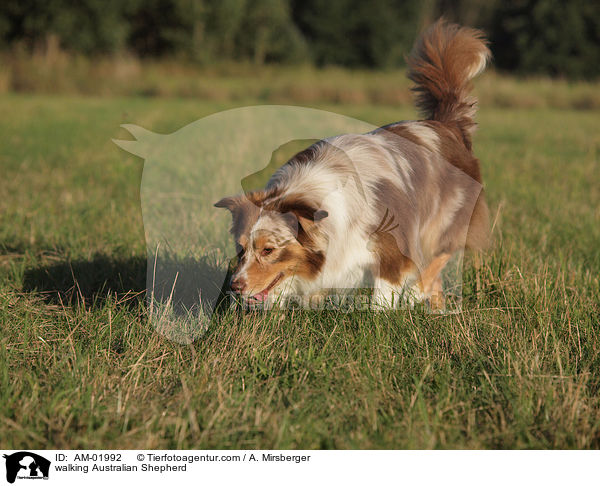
x=277, y=237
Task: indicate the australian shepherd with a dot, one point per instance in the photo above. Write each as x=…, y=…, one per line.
x=390, y=206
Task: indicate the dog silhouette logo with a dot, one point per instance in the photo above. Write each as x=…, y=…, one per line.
x=26, y=465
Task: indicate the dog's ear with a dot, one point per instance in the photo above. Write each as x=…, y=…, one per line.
x=301, y=215
x=291, y=221
x=243, y=213
x=299, y=224
x=319, y=214
x=229, y=202
x=305, y=212
x=245, y=200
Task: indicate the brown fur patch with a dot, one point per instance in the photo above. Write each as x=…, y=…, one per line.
x=402, y=130
x=456, y=150
x=306, y=262
x=392, y=238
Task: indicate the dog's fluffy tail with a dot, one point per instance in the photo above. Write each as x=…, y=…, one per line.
x=443, y=61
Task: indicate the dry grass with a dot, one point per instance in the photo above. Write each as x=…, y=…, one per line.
x=59, y=73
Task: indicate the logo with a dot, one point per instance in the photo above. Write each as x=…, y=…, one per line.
x=26, y=465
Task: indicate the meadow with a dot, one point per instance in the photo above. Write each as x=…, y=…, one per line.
x=82, y=367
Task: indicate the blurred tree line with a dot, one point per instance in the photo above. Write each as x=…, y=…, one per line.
x=551, y=37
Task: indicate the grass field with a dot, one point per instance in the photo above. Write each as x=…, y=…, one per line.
x=81, y=367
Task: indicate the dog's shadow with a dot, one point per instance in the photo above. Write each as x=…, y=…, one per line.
x=73, y=282
x=92, y=281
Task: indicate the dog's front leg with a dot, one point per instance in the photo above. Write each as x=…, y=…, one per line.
x=387, y=295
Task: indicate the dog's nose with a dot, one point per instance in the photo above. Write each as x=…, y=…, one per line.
x=237, y=284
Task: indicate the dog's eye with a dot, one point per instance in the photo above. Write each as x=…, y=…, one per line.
x=266, y=251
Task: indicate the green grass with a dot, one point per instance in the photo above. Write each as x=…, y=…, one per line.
x=81, y=366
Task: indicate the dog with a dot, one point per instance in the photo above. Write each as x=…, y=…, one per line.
x=390, y=207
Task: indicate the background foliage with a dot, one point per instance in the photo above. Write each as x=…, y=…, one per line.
x=528, y=36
